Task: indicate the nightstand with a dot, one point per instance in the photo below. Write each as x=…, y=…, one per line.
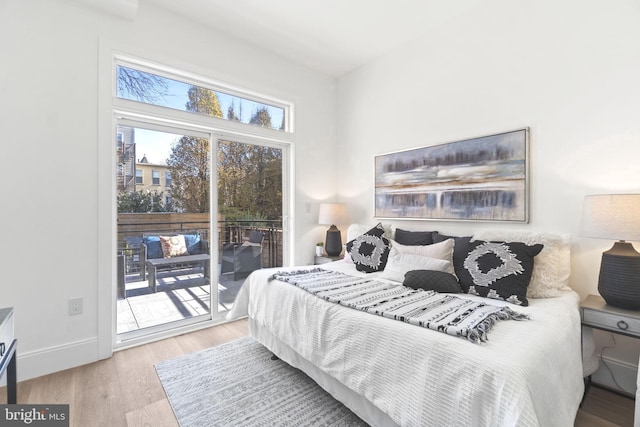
x=596, y=313
x=323, y=259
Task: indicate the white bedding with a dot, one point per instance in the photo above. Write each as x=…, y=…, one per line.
x=528, y=374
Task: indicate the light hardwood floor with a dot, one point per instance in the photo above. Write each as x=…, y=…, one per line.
x=125, y=390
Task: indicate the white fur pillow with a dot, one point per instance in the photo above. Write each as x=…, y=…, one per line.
x=551, y=267
x=398, y=264
x=356, y=230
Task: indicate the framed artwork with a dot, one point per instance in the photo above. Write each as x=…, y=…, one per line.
x=477, y=179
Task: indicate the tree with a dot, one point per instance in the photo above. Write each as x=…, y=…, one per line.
x=249, y=176
x=261, y=118
x=231, y=112
x=189, y=158
x=249, y=181
x=203, y=101
x=141, y=201
x=139, y=85
x=189, y=166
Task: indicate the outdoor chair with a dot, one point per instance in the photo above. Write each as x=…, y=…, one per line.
x=242, y=258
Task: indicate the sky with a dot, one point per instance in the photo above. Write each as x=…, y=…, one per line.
x=157, y=145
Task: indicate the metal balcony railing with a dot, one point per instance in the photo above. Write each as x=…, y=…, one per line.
x=130, y=237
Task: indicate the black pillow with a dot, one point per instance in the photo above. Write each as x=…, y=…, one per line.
x=432, y=280
x=499, y=270
x=370, y=251
x=460, y=252
x=413, y=238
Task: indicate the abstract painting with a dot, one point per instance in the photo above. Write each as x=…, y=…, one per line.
x=478, y=179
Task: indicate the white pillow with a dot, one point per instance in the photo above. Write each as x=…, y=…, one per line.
x=355, y=230
x=551, y=267
x=398, y=264
x=442, y=250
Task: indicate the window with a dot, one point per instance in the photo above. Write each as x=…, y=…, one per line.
x=175, y=145
x=137, y=85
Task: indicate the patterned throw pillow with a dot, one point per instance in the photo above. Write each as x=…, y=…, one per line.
x=173, y=246
x=431, y=280
x=499, y=270
x=370, y=250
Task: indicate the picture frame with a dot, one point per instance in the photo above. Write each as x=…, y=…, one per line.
x=478, y=179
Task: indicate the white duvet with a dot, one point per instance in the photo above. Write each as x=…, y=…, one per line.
x=529, y=373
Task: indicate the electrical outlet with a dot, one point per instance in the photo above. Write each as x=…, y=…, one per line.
x=75, y=306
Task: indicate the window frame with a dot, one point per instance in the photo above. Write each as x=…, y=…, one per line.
x=204, y=82
x=113, y=111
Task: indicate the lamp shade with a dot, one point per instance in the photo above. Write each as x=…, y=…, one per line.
x=611, y=216
x=332, y=213
x=616, y=217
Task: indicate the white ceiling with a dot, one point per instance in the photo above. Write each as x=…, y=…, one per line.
x=330, y=36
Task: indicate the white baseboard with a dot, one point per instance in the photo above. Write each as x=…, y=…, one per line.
x=53, y=359
x=625, y=375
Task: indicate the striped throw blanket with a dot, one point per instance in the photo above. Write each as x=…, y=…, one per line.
x=440, y=312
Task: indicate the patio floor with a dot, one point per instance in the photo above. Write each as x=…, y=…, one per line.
x=179, y=296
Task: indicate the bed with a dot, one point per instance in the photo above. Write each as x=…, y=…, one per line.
x=391, y=373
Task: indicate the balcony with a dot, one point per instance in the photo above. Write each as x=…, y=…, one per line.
x=183, y=290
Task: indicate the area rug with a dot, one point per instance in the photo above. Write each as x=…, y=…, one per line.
x=238, y=384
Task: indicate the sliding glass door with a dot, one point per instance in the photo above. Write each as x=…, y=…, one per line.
x=167, y=253
x=163, y=229
x=250, y=212
x=201, y=189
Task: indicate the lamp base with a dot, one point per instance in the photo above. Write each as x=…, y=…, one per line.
x=333, y=243
x=619, y=281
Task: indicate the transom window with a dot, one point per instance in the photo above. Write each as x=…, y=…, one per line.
x=151, y=88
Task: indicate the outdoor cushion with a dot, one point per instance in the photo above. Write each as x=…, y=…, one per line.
x=154, y=248
x=192, y=241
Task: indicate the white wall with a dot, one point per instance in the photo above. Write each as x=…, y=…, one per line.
x=49, y=121
x=569, y=70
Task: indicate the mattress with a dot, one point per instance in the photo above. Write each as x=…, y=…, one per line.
x=528, y=373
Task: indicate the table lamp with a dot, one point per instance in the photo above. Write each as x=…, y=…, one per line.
x=616, y=217
x=332, y=214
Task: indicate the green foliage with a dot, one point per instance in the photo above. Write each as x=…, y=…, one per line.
x=203, y=101
x=189, y=158
x=190, y=175
x=141, y=202
x=249, y=176
x=249, y=180
x=261, y=118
